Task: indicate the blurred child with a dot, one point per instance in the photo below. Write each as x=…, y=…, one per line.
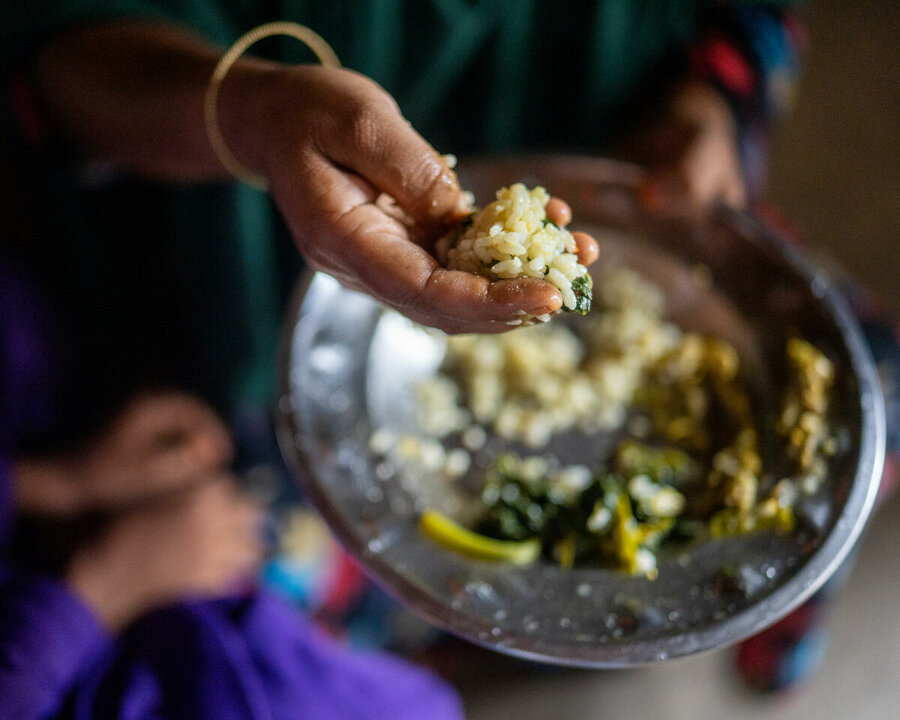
x=123, y=625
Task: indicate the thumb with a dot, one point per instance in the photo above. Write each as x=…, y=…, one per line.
x=384, y=149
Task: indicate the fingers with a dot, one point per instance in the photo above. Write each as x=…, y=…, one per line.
x=159, y=442
x=349, y=236
x=559, y=212
x=181, y=437
x=202, y=540
x=243, y=545
x=45, y=488
x=160, y=422
x=405, y=277
x=375, y=140
x=250, y=547
x=586, y=247
x=228, y=534
x=459, y=302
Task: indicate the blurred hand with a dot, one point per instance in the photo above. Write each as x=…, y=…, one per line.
x=691, y=154
x=156, y=444
x=365, y=197
x=199, y=541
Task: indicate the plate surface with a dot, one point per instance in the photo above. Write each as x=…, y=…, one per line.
x=349, y=367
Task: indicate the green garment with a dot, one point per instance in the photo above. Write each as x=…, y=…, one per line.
x=469, y=74
x=185, y=285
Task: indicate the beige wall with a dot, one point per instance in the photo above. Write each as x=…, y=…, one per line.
x=836, y=162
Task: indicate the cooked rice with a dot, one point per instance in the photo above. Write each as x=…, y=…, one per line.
x=512, y=238
x=531, y=383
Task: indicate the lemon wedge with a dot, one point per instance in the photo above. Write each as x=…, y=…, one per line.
x=454, y=536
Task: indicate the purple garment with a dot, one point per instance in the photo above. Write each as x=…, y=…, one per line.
x=249, y=659
x=49, y=641
x=254, y=658
x=25, y=359
x=5, y=499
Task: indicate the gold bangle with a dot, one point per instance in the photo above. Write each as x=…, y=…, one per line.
x=309, y=38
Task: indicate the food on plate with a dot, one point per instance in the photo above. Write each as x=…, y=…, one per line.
x=532, y=383
x=801, y=421
x=450, y=534
x=684, y=461
x=513, y=238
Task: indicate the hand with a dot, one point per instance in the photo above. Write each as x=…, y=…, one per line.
x=329, y=141
x=559, y=212
x=692, y=154
x=333, y=144
x=199, y=541
x=156, y=444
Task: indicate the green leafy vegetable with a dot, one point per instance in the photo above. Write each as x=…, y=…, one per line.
x=583, y=288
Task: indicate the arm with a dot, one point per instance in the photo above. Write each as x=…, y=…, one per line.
x=329, y=141
x=115, y=104
x=131, y=92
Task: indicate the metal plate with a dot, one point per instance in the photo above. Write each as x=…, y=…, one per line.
x=348, y=367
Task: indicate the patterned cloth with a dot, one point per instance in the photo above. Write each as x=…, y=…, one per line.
x=753, y=55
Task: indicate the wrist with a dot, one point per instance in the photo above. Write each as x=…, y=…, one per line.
x=247, y=104
x=94, y=579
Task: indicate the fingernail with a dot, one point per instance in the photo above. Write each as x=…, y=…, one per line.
x=465, y=203
x=550, y=305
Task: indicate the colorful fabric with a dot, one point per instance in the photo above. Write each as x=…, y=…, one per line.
x=787, y=653
x=752, y=53
x=310, y=570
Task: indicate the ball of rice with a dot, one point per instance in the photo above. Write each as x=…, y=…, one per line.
x=512, y=238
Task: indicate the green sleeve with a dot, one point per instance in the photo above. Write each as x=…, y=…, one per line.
x=26, y=23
